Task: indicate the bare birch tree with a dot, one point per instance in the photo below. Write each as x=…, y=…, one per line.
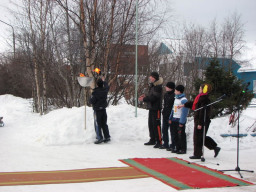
x=106, y=27
x=233, y=34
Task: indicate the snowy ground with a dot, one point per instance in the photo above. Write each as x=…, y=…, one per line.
x=58, y=141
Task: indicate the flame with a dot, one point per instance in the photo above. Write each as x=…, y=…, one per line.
x=97, y=70
x=82, y=75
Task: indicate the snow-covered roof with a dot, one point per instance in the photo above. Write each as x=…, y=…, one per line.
x=175, y=45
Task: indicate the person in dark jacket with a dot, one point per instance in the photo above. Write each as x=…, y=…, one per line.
x=154, y=105
x=99, y=103
x=202, y=100
x=169, y=97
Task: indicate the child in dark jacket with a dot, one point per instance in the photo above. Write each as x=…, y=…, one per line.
x=169, y=97
x=99, y=103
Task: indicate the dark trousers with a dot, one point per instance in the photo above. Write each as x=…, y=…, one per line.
x=154, y=125
x=100, y=124
x=179, y=137
x=174, y=135
x=198, y=140
x=165, y=130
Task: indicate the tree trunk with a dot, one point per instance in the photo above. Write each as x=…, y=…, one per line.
x=73, y=98
x=108, y=46
x=45, y=104
x=39, y=106
x=36, y=67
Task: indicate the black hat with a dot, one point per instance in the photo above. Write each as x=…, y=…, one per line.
x=99, y=83
x=155, y=75
x=170, y=85
x=180, y=88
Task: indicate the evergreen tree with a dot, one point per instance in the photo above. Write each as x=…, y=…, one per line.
x=225, y=83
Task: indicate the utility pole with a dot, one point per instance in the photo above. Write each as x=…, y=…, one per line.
x=136, y=63
x=85, y=82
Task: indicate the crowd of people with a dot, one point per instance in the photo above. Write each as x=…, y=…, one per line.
x=174, y=117
x=174, y=111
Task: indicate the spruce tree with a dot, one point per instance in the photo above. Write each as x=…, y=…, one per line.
x=226, y=83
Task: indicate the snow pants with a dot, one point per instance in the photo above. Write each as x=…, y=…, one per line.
x=100, y=124
x=198, y=140
x=179, y=136
x=154, y=126
x=165, y=131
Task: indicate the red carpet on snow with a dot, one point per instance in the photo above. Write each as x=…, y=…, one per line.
x=174, y=172
x=181, y=174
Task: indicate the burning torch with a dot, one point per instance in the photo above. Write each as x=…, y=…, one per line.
x=97, y=70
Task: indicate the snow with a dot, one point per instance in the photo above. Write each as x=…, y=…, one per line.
x=58, y=141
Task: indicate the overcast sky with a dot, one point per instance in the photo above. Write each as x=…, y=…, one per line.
x=204, y=11
x=191, y=11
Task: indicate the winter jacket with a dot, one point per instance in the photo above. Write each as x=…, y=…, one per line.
x=99, y=97
x=199, y=115
x=169, y=97
x=154, y=96
x=180, y=114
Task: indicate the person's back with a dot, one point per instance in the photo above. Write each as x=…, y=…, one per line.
x=99, y=96
x=99, y=103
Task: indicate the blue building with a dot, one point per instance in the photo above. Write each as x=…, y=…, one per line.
x=248, y=75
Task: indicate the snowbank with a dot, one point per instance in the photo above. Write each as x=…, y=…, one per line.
x=58, y=141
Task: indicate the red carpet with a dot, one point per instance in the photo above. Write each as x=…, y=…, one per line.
x=181, y=175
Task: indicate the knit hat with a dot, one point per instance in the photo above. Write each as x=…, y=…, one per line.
x=99, y=83
x=155, y=75
x=170, y=85
x=180, y=88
